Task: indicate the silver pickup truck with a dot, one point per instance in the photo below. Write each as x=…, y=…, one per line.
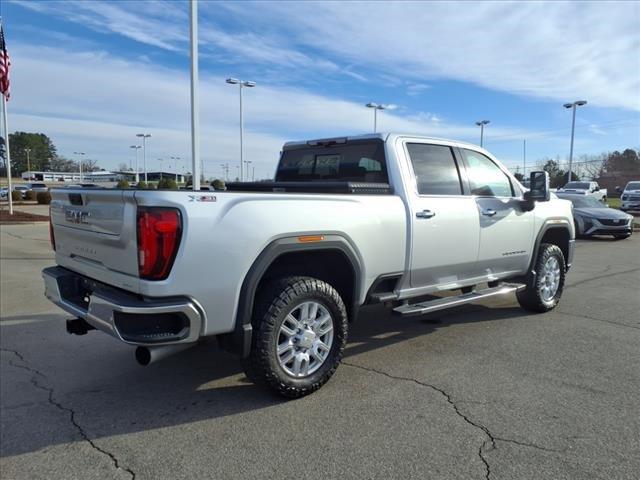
x=278, y=270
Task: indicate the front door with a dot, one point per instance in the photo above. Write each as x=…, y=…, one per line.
x=506, y=231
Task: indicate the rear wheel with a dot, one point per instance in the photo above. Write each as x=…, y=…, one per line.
x=543, y=291
x=299, y=333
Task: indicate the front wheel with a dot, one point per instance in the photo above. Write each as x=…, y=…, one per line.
x=544, y=290
x=300, y=330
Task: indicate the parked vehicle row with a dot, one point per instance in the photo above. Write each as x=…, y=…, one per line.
x=23, y=189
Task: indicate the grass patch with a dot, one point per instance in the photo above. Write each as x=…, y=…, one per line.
x=614, y=202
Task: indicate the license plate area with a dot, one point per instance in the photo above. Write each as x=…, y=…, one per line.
x=76, y=290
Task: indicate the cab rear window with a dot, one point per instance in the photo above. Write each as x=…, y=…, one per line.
x=350, y=162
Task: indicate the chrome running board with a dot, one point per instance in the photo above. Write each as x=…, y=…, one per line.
x=448, y=302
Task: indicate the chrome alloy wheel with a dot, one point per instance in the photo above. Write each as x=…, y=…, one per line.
x=304, y=339
x=549, y=279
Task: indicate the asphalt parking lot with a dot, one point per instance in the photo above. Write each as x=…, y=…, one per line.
x=478, y=392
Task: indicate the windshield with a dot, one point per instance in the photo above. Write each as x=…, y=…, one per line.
x=580, y=185
x=583, y=202
x=632, y=186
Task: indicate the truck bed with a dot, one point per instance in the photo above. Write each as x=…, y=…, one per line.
x=360, y=188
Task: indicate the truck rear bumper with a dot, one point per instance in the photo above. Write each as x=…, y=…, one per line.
x=128, y=317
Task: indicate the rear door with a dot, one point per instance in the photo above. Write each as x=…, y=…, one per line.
x=445, y=230
x=506, y=231
x=95, y=234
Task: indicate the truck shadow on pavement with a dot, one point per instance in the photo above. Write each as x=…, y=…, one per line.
x=94, y=389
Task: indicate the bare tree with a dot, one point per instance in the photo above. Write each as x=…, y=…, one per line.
x=90, y=165
x=591, y=166
x=62, y=164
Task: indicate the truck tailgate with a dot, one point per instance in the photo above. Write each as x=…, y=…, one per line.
x=95, y=234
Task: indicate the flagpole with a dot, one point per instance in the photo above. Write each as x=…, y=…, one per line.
x=7, y=152
x=195, y=108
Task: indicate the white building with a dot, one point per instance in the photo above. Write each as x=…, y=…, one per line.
x=101, y=176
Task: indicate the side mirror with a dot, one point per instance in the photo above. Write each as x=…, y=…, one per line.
x=539, y=187
x=596, y=189
x=618, y=189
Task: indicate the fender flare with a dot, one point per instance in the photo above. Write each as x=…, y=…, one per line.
x=239, y=341
x=550, y=224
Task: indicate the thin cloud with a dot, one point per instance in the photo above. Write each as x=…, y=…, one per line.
x=106, y=100
x=414, y=89
x=497, y=45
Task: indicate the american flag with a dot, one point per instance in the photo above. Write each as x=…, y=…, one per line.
x=4, y=66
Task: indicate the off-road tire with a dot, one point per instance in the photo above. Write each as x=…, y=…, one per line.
x=530, y=298
x=272, y=306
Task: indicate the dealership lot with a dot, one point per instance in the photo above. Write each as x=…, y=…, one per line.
x=479, y=392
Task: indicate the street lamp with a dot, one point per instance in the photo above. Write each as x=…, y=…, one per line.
x=79, y=162
x=28, y=150
x=376, y=107
x=161, y=163
x=481, y=124
x=225, y=170
x=144, y=137
x=246, y=164
x=137, y=147
x=176, y=159
x=241, y=84
x=577, y=103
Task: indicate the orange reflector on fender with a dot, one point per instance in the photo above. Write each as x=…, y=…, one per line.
x=310, y=238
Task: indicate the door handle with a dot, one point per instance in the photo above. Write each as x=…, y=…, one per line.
x=425, y=214
x=489, y=212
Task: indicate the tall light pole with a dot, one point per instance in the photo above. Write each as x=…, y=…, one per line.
x=80, y=155
x=376, y=107
x=241, y=84
x=246, y=164
x=144, y=137
x=524, y=158
x=137, y=147
x=195, y=100
x=28, y=150
x=577, y=103
x=481, y=124
x=225, y=170
x=176, y=160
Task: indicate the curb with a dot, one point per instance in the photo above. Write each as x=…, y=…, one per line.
x=41, y=222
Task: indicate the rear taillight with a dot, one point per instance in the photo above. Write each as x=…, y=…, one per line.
x=51, y=235
x=159, y=232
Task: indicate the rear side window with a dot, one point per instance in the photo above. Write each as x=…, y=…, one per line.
x=435, y=169
x=355, y=162
x=485, y=177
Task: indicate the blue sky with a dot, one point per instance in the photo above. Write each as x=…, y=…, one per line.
x=92, y=74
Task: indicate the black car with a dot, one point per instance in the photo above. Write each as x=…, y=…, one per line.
x=592, y=217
